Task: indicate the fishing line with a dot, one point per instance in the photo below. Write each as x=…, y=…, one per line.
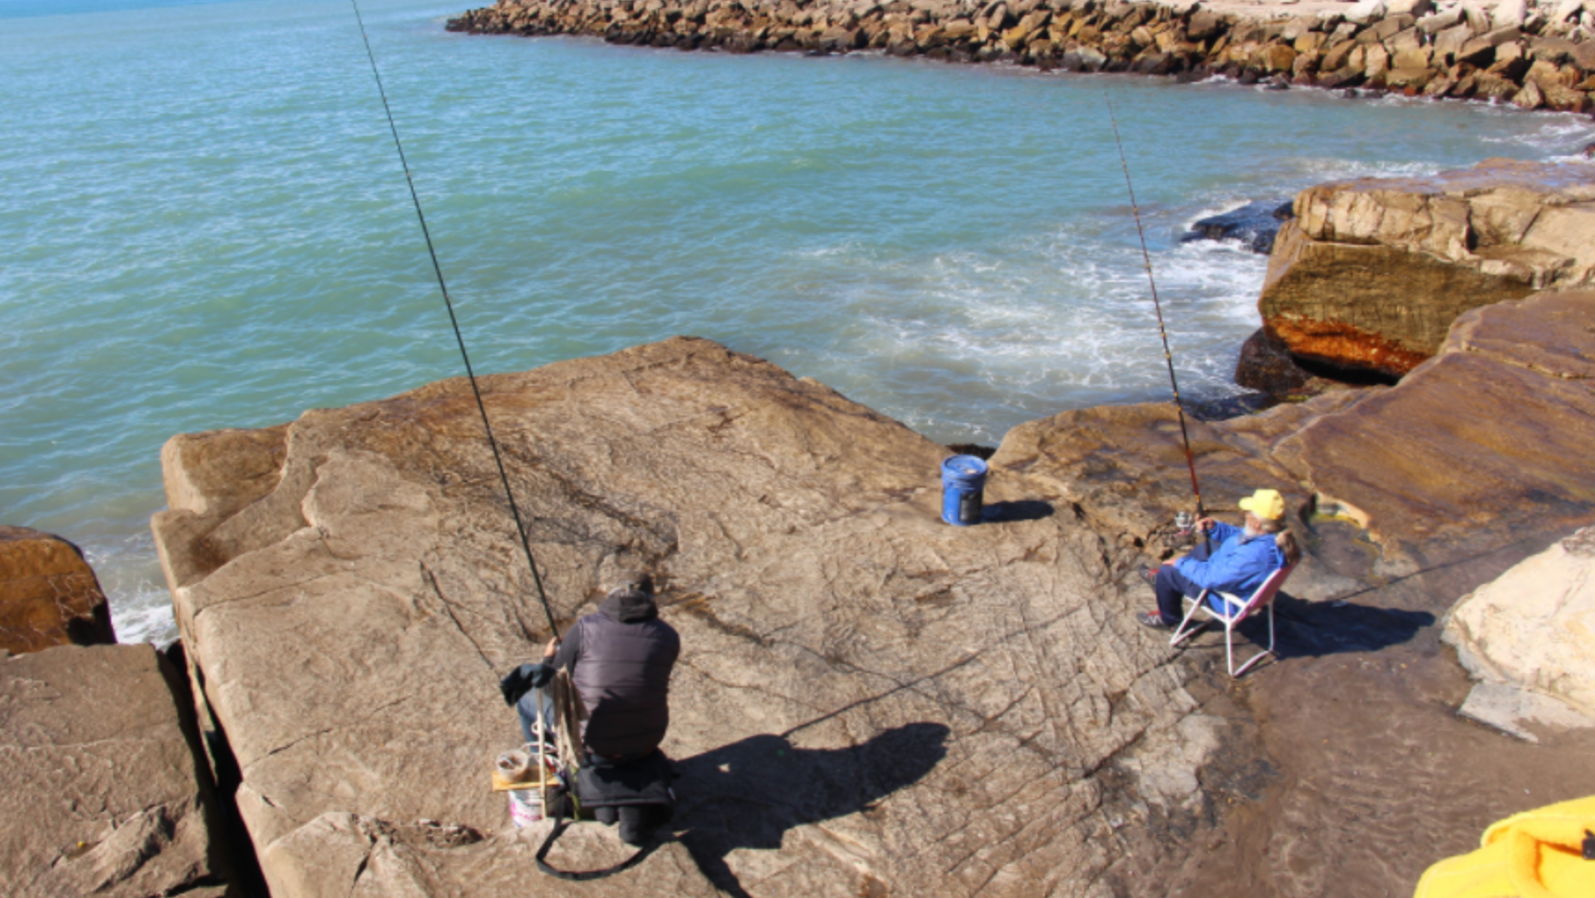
x=1146, y=257
x=520, y=527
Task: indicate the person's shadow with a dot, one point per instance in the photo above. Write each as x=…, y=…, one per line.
x=1314, y=629
x=749, y=793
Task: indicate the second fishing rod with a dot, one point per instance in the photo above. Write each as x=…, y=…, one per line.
x=1157, y=306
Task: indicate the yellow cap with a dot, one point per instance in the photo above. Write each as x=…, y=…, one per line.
x=1265, y=504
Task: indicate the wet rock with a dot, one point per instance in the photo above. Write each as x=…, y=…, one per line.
x=858, y=680
x=1528, y=634
x=99, y=788
x=1267, y=366
x=1254, y=224
x=48, y=594
x=1371, y=274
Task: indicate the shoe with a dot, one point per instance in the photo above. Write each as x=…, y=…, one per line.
x=1152, y=619
x=1150, y=576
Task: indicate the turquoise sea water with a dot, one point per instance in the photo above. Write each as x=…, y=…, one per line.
x=204, y=225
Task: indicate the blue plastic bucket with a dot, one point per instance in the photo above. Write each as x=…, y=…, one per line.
x=963, y=478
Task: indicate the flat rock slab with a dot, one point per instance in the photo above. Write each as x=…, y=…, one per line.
x=48, y=594
x=1484, y=447
x=98, y=782
x=868, y=700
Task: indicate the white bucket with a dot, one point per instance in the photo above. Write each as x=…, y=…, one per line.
x=526, y=807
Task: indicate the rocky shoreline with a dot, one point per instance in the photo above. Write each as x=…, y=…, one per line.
x=1535, y=57
x=868, y=702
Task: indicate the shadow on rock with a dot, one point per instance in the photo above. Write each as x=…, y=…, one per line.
x=749, y=793
x=1313, y=629
x=1022, y=510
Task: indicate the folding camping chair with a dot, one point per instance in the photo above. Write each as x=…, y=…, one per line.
x=1234, y=611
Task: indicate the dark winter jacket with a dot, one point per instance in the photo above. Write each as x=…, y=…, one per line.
x=620, y=660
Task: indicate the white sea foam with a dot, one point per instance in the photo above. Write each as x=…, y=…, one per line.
x=129, y=574
x=1564, y=133
x=1327, y=169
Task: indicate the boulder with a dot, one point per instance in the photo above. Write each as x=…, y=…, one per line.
x=1409, y=78
x=1371, y=273
x=868, y=701
x=1254, y=224
x=1436, y=22
x=1409, y=7
x=1276, y=58
x=1477, y=15
x=1204, y=24
x=99, y=784
x=1449, y=43
x=49, y=595
x=1529, y=96
x=1265, y=365
x=1509, y=13
x=1365, y=11
x=1533, y=630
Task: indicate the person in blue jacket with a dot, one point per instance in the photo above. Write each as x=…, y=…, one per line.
x=1236, y=560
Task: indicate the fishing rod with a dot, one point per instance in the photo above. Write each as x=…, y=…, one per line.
x=520, y=526
x=1168, y=357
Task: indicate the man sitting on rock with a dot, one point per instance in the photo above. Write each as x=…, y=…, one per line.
x=1235, y=560
x=620, y=661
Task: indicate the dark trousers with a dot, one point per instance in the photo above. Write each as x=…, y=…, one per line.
x=637, y=822
x=1172, y=586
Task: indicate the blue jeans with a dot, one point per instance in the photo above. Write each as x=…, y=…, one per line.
x=530, y=704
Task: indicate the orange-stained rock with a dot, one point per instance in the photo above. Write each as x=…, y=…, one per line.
x=1371, y=273
x=48, y=594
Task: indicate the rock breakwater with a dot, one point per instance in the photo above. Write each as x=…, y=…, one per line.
x=1534, y=57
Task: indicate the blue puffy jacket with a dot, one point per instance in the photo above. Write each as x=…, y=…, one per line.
x=1237, y=565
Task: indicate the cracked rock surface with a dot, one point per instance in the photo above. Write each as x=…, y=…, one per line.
x=868, y=701
x=98, y=780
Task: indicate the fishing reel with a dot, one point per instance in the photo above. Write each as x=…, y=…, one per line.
x=1185, y=532
x=1184, y=523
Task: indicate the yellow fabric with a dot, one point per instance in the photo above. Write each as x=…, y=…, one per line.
x=1265, y=504
x=1535, y=854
